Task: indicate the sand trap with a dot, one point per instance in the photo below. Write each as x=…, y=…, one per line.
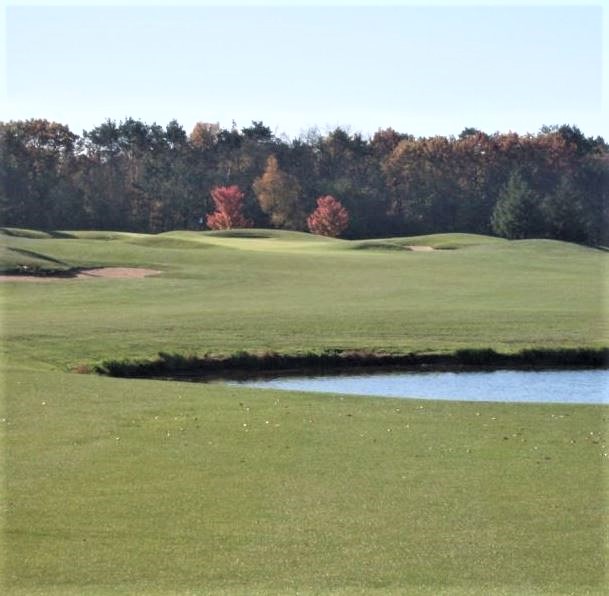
x=421, y=248
x=104, y=272
x=117, y=272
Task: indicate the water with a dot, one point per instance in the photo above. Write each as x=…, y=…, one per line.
x=564, y=386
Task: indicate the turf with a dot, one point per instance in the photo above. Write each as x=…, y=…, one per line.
x=293, y=292
x=151, y=487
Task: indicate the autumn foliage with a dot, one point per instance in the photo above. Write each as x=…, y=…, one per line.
x=132, y=176
x=278, y=194
x=329, y=219
x=229, y=209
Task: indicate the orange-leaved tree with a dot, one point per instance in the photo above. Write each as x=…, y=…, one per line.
x=279, y=196
x=330, y=218
x=229, y=209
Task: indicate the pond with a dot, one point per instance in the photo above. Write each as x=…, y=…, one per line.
x=555, y=386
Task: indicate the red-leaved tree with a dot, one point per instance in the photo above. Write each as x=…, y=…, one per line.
x=229, y=209
x=330, y=218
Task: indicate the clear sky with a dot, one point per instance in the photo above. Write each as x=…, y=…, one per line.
x=427, y=68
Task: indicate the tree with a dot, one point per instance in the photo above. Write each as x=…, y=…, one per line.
x=469, y=131
x=258, y=132
x=564, y=214
x=594, y=193
x=229, y=209
x=278, y=194
x=517, y=213
x=129, y=175
x=175, y=135
x=329, y=219
x=36, y=157
x=204, y=135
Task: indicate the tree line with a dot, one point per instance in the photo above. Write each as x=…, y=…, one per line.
x=134, y=176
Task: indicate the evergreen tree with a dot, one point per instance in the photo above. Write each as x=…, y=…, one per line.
x=517, y=214
x=563, y=212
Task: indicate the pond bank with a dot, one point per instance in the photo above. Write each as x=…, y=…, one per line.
x=246, y=364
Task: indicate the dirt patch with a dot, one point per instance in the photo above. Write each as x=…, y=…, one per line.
x=104, y=272
x=421, y=248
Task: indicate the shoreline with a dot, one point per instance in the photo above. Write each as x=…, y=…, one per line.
x=245, y=365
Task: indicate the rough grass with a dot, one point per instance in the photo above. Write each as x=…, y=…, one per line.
x=181, y=366
x=150, y=487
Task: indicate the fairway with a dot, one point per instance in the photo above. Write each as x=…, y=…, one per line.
x=292, y=292
x=155, y=487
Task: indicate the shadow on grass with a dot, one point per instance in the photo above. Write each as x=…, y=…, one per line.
x=246, y=364
x=35, y=234
x=38, y=255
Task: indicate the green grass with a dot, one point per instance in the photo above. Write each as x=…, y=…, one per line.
x=150, y=487
x=436, y=241
x=145, y=487
x=297, y=293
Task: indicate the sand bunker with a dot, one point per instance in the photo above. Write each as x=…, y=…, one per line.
x=421, y=248
x=105, y=272
x=117, y=272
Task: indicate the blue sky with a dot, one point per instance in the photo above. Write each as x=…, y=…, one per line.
x=423, y=69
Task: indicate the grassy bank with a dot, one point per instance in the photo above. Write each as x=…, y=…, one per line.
x=131, y=486
x=245, y=363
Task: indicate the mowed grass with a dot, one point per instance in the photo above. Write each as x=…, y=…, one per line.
x=145, y=487
x=153, y=487
x=295, y=292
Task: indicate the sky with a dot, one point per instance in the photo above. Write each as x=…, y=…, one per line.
x=424, y=69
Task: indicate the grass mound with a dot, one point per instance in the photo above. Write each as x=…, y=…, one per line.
x=107, y=236
x=377, y=245
x=455, y=241
x=262, y=233
x=23, y=233
x=21, y=261
x=244, y=233
x=435, y=241
x=164, y=241
x=36, y=234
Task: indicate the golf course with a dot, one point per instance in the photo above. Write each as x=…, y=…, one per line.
x=144, y=486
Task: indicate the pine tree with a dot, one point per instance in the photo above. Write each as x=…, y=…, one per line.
x=564, y=213
x=517, y=213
